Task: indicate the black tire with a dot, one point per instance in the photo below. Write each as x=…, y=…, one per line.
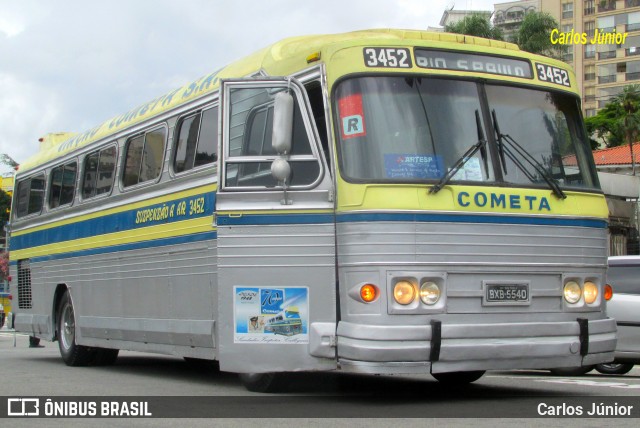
x=263, y=382
x=571, y=371
x=458, y=378
x=104, y=357
x=614, y=368
x=202, y=364
x=72, y=354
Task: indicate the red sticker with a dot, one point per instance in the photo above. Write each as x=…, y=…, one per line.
x=352, y=116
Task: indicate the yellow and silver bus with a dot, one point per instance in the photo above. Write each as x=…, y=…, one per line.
x=426, y=201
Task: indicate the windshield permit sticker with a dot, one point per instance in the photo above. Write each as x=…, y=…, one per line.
x=352, y=116
x=471, y=171
x=413, y=166
x=271, y=315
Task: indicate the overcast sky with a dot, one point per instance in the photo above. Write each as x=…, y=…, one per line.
x=68, y=65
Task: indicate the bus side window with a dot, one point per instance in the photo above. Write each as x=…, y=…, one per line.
x=197, y=140
x=144, y=157
x=251, y=124
x=30, y=195
x=314, y=92
x=63, y=181
x=99, y=169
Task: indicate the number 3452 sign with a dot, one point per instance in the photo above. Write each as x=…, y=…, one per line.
x=551, y=74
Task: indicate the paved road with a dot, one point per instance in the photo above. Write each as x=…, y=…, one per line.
x=39, y=372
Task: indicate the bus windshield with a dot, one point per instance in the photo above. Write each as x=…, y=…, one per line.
x=416, y=129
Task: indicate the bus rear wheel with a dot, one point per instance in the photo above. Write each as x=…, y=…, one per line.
x=72, y=353
x=458, y=378
x=263, y=382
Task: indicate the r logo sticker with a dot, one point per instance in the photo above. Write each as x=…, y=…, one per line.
x=352, y=116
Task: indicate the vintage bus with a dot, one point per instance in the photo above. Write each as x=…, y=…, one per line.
x=427, y=201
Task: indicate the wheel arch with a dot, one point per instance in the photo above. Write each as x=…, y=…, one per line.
x=57, y=297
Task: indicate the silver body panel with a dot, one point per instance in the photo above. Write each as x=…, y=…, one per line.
x=474, y=335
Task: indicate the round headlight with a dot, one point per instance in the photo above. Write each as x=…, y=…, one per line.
x=590, y=292
x=429, y=293
x=404, y=292
x=572, y=292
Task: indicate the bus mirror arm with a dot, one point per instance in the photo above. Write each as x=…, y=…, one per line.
x=281, y=171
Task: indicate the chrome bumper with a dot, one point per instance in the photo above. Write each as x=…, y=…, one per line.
x=442, y=347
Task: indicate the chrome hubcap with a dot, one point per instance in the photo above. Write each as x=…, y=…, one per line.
x=68, y=326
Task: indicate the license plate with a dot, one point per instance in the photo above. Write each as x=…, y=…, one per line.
x=506, y=294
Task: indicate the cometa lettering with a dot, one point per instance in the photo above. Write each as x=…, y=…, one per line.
x=504, y=201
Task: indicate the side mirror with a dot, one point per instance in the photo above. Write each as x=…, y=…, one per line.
x=282, y=135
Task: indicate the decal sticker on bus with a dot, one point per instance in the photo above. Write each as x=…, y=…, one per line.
x=271, y=315
x=413, y=166
x=352, y=116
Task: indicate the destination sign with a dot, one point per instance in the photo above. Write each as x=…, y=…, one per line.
x=463, y=61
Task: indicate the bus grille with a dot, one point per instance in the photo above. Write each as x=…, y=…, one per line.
x=24, y=284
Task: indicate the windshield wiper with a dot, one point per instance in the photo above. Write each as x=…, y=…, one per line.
x=480, y=145
x=506, y=144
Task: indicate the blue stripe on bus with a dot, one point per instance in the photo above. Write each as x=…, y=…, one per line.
x=274, y=219
x=118, y=222
x=468, y=218
x=162, y=242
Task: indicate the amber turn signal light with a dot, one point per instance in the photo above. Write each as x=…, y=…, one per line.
x=608, y=292
x=368, y=293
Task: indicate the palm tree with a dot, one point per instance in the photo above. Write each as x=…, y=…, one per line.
x=629, y=100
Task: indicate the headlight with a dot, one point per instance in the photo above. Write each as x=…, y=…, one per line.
x=429, y=293
x=572, y=292
x=590, y=292
x=404, y=292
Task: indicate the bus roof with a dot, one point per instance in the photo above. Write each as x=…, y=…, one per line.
x=285, y=57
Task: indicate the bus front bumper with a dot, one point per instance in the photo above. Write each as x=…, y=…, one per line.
x=441, y=347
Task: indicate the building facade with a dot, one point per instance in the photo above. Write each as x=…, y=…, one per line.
x=602, y=68
x=508, y=16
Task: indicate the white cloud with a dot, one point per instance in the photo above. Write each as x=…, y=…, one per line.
x=69, y=65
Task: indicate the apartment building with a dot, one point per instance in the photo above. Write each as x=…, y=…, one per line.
x=602, y=69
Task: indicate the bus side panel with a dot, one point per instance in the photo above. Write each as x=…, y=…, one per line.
x=277, y=297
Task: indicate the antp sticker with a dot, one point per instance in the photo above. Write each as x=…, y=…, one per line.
x=352, y=116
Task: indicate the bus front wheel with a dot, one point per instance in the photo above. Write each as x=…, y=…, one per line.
x=458, y=378
x=72, y=353
x=263, y=382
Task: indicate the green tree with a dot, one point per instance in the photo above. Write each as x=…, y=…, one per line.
x=5, y=205
x=605, y=125
x=475, y=25
x=534, y=34
x=629, y=102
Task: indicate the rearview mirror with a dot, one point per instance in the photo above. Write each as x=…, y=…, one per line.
x=282, y=135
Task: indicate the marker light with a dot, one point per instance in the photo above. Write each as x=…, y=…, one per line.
x=368, y=293
x=590, y=292
x=608, y=292
x=313, y=57
x=404, y=292
x=429, y=293
x=572, y=292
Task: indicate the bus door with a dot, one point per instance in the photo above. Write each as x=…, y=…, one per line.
x=276, y=232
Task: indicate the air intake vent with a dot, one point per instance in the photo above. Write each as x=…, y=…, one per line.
x=24, y=284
